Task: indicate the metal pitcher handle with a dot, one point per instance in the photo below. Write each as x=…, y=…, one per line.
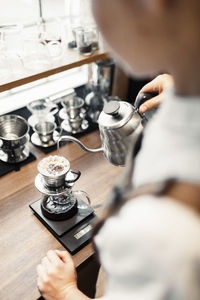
x=76, y=172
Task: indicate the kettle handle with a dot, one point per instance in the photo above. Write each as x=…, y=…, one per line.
x=73, y=139
x=143, y=97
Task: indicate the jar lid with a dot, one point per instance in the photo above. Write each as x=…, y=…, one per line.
x=115, y=114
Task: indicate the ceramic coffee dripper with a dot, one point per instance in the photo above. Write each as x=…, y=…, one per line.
x=14, y=138
x=45, y=131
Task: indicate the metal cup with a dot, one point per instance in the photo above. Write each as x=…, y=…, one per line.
x=14, y=138
x=45, y=131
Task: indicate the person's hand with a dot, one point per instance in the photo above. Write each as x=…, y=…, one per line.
x=56, y=275
x=159, y=84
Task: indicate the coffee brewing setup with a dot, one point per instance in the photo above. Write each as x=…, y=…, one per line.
x=65, y=212
x=62, y=210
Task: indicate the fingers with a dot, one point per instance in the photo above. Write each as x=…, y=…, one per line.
x=40, y=284
x=158, y=84
x=56, y=274
x=46, y=263
x=41, y=273
x=167, y=81
x=152, y=86
x=152, y=103
x=53, y=257
x=64, y=255
x=42, y=279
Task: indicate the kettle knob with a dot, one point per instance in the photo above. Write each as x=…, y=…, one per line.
x=111, y=108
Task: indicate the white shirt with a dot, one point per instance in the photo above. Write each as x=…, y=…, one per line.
x=150, y=250
x=171, y=145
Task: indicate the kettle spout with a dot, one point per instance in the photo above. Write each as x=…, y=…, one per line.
x=75, y=140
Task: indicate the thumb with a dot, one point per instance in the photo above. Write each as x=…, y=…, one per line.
x=151, y=103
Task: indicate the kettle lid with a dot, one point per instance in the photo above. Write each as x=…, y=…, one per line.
x=115, y=114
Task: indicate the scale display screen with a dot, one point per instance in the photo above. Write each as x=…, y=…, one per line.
x=83, y=231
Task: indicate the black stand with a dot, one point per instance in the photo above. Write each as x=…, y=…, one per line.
x=6, y=167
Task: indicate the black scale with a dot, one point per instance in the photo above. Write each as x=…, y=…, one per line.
x=73, y=233
x=62, y=210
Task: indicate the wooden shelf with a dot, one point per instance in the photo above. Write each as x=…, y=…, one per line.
x=71, y=59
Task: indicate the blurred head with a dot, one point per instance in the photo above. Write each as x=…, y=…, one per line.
x=149, y=36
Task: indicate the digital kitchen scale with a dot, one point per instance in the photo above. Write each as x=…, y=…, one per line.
x=73, y=233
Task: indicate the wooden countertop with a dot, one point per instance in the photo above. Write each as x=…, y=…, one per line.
x=23, y=238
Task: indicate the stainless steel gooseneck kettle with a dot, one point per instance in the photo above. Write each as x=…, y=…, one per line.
x=119, y=124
